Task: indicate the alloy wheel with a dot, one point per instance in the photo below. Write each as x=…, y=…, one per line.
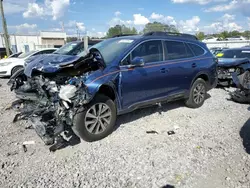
x=199, y=93
x=97, y=118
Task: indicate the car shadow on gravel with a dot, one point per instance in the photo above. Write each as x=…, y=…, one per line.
x=245, y=135
x=168, y=186
x=147, y=111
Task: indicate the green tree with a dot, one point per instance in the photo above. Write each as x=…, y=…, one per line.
x=157, y=26
x=119, y=30
x=235, y=33
x=200, y=35
x=246, y=34
x=70, y=39
x=223, y=35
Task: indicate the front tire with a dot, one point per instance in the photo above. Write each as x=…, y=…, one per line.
x=15, y=69
x=197, y=94
x=246, y=79
x=97, y=120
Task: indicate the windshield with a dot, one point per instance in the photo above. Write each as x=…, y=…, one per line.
x=24, y=55
x=83, y=53
x=111, y=48
x=66, y=48
x=236, y=54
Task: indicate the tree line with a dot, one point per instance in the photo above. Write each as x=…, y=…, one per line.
x=225, y=34
x=157, y=26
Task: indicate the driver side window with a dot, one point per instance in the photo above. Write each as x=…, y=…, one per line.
x=150, y=51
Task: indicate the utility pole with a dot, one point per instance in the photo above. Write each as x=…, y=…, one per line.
x=5, y=31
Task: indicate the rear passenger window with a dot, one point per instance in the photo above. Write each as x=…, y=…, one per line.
x=196, y=49
x=177, y=50
x=150, y=51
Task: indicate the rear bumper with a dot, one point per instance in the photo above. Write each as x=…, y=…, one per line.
x=213, y=84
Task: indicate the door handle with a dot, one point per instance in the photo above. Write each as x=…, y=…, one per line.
x=164, y=70
x=194, y=65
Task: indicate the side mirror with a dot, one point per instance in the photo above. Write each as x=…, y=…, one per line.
x=137, y=62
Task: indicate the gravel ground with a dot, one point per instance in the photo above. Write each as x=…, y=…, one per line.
x=207, y=150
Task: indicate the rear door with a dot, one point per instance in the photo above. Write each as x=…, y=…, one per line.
x=179, y=59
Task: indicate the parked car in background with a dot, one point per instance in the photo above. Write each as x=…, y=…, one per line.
x=3, y=53
x=75, y=48
x=230, y=61
x=9, y=66
x=236, y=38
x=210, y=39
x=117, y=76
x=15, y=54
x=217, y=50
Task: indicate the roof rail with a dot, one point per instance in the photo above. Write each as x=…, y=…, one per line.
x=161, y=33
x=122, y=35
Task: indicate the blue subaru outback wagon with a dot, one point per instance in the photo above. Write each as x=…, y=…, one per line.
x=118, y=75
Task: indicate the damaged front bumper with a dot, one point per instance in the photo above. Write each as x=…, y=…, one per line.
x=51, y=109
x=225, y=75
x=242, y=93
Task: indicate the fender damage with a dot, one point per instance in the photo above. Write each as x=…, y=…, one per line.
x=52, y=90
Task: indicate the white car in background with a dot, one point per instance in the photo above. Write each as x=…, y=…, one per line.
x=9, y=66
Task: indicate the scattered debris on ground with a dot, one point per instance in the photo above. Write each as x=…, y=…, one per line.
x=207, y=151
x=171, y=132
x=152, y=132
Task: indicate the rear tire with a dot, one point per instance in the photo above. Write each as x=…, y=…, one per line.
x=15, y=69
x=97, y=120
x=197, y=94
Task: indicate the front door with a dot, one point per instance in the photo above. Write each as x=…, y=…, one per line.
x=145, y=83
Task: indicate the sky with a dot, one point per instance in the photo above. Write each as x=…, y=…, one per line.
x=94, y=17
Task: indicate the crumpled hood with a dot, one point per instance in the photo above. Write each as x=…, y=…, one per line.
x=48, y=63
x=229, y=62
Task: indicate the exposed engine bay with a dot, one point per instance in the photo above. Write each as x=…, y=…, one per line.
x=228, y=67
x=50, y=99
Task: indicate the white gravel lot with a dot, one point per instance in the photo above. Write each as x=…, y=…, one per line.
x=206, y=150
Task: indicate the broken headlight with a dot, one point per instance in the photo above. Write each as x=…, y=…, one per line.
x=231, y=70
x=67, y=92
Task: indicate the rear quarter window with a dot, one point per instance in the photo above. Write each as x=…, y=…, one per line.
x=177, y=50
x=196, y=49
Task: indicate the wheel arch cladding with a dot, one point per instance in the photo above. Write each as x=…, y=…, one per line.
x=201, y=75
x=18, y=66
x=108, y=91
x=204, y=77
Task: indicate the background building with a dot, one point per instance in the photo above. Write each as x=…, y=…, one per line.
x=26, y=43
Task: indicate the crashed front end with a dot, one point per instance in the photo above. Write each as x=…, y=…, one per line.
x=50, y=100
x=242, y=93
x=225, y=75
x=228, y=67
